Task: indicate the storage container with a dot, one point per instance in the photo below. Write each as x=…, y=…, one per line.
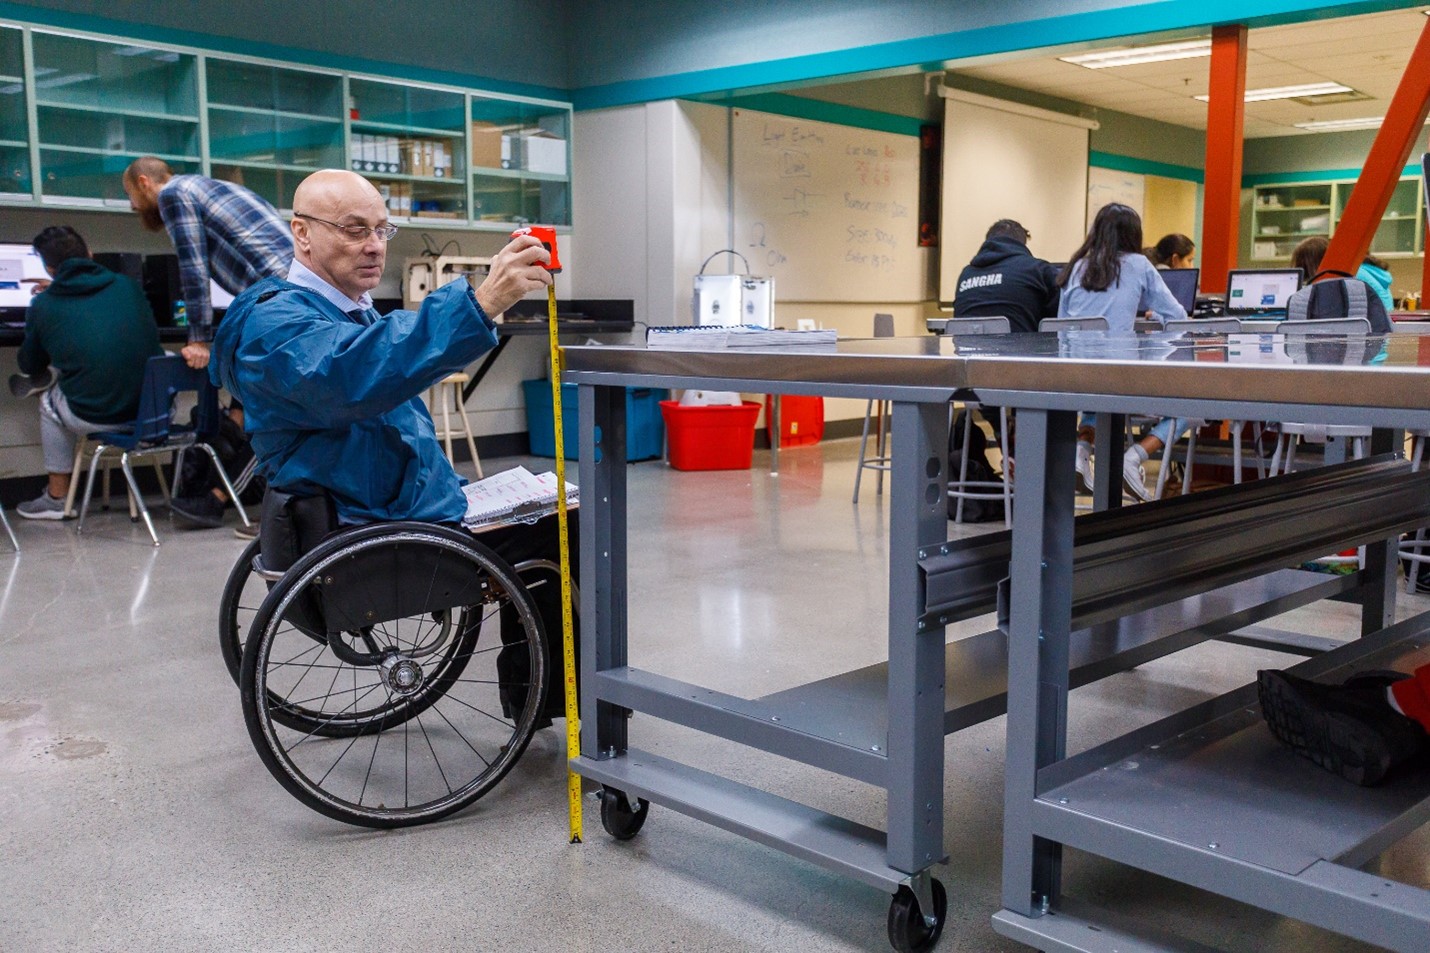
x=644, y=431
x=711, y=438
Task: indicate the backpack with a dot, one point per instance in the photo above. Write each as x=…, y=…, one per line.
x=1339, y=297
x=974, y=511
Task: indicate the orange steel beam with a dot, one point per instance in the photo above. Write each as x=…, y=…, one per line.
x=1386, y=163
x=1221, y=196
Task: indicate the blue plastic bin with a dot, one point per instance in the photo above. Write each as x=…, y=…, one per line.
x=645, y=431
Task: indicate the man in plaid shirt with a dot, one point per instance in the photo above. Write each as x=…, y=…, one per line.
x=220, y=231
x=224, y=232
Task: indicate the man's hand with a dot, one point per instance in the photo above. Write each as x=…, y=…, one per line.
x=196, y=354
x=36, y=284
x=515, y=271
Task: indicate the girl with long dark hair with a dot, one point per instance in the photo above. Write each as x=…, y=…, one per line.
x=1108, y=276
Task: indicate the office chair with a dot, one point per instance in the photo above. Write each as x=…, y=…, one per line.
x=882, y=460
x=155, y=432
x=963, y=488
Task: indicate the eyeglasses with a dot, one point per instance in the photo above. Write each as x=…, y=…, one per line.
x=355, y=233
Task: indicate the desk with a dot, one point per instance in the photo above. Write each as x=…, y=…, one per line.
x=526, y=327
x=15, y=336
x=884, y=725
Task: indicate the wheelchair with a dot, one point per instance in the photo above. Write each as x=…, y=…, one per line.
x=393, y=674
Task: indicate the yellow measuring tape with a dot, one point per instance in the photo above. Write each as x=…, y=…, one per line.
x=568, y=639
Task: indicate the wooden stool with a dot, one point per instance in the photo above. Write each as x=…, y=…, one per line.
x=438, y=398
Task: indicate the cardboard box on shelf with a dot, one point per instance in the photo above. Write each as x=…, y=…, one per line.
x=486, y=145
x=545, y=154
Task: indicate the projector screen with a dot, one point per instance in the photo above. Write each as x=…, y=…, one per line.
x=1007, y=160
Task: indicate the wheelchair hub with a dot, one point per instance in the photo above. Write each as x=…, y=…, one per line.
x=401, y=675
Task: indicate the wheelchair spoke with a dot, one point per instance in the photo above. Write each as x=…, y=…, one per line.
x=330, y=720
x=435, y=760
x=460, y=735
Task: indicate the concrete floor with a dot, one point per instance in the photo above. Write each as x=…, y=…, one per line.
x=135, y=815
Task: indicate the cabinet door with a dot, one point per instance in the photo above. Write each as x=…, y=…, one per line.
x=270, y=127
x=1285, y=215
x=1399, y=226
x=410, y=141
x=15, y=173
x=101, y=104
x=521, y=162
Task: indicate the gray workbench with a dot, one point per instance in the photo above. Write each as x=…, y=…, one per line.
x=885, y=725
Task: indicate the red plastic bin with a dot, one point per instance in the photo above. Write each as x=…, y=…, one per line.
x=801, y=419
x=710, y=438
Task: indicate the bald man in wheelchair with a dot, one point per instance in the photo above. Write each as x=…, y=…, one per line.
x=331, y=389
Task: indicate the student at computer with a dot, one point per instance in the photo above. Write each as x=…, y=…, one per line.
x=1308, y=255
x=94, y=327
x=1108, y=276
x=1005, y=280
x=1173, y=251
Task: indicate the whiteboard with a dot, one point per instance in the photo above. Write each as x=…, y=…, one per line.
x=830, y=212
x=1105, y=186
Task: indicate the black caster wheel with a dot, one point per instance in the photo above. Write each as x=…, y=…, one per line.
x=622, y=819
x=908, y=933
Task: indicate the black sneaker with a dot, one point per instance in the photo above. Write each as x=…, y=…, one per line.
x=203, y=511
x=1349, y=729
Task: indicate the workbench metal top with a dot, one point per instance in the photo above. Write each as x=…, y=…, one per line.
x=1371, y=371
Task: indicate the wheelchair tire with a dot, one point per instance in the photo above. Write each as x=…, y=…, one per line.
x=242, y=595
x=412, y=717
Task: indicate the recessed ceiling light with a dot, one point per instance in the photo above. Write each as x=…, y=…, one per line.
x=1341, y=125
x=1290, y=92
x=1131, y=56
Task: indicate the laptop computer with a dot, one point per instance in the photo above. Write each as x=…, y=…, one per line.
x=19, y=267
x=1261, y=292
x=1182, y=282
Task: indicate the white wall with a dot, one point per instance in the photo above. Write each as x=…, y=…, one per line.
x=651, y=202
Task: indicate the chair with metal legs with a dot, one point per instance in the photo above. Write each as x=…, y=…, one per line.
x=5, y=524
x=961, y=488
x=155, y=432
x=876, y=411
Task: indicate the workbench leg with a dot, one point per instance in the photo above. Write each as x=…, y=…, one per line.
x=918, y=520
x=1107, y=450
x=603, y=563
x=1381, y=559
x=1038, y=635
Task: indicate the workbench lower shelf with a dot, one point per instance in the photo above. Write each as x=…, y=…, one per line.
x=1210, y=798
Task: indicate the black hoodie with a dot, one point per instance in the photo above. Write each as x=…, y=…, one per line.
x=1005, y=279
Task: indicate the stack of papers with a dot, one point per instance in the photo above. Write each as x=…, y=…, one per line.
x=704, y=337
x=513, y=495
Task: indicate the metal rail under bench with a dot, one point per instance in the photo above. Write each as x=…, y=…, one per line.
x=1137, y=557
x=1210, y=798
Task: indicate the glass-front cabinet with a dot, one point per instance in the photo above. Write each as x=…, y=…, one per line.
x=270, y=127
x=76, y=109
x=521, y=160
x=15, y=181
x=409, y=141
x=1400, y=230
x=101, y=103
x=1282, y=216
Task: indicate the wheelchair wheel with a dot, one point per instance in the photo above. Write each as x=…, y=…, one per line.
x=242, y=595
x=394, y=675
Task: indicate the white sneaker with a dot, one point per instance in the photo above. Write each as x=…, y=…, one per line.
x=1134, y=477
x=1084, y=468
x=42, y=507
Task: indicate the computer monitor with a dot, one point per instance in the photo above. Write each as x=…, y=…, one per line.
x=17, y=263
x=1261, y=291
x=1182, y=282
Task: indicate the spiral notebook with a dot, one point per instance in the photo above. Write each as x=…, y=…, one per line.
x=513, y=495
x=704, y=337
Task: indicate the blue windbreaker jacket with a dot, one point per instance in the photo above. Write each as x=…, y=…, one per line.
x=333, y=402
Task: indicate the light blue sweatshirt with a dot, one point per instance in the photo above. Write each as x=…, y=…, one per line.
x=1138, y=289
x=1379, y=281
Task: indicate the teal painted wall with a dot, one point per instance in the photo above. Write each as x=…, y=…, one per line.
x=504, y=45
